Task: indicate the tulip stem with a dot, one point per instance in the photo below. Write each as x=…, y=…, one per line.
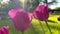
x=23, y=32
x=42, y=27
x=48, y=27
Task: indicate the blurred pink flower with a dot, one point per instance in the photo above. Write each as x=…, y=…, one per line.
x=20, y=18
x=4, y=30
x=41, y=12
x=58, y=18
x=0, y=31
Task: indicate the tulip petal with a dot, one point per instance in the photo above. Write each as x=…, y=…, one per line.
x=21, y=21
x=5, y=30
x=13, y=12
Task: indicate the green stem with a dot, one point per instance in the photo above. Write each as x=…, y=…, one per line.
x=34, y=30
x=48, y=27
x=23, y=32
x=42, y=27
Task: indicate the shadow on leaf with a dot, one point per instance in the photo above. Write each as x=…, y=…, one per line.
x=51, y=21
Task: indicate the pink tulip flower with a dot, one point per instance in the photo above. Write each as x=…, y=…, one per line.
x=4, y=30
x=20, y=18
x=41, y=12
x=58, y=18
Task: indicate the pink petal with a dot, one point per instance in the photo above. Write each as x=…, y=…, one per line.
x=22, y=21
x=13, y=12
x=5, y=30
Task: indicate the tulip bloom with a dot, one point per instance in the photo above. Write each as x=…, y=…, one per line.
x=20, y=18
x=41, y=12
x=4, y=30
x=58, y=18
